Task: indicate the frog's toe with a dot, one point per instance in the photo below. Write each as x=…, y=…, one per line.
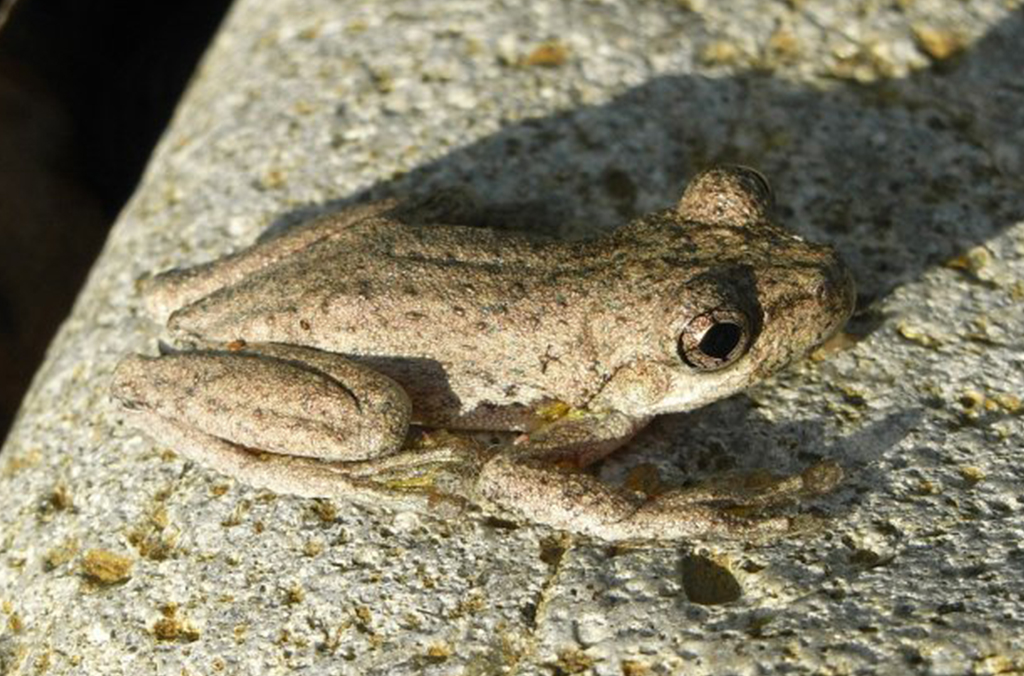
x=760, y=489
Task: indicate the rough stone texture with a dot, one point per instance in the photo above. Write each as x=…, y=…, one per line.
x=893, y=130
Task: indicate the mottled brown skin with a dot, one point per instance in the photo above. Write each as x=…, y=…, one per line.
x=362, y=321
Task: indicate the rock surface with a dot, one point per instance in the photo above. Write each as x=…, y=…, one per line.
x=892, y=130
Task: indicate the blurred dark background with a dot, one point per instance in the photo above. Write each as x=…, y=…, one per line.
x=86, y=88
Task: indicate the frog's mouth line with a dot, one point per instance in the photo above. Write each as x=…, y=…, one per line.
x=701, y=389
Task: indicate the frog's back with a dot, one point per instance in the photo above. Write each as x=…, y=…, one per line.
x=488, y=314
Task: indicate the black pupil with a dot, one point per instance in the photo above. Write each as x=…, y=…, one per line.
x=720, y=340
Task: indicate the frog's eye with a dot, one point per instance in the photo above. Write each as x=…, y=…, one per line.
x=714, y=339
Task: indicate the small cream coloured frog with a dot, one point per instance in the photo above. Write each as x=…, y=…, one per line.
x=317, y=358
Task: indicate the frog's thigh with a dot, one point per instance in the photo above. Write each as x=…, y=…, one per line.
x=581, y=503
x=286, y=400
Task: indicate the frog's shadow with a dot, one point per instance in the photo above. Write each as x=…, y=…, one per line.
x=731, y=435
x=891, y=174
x=843, y=160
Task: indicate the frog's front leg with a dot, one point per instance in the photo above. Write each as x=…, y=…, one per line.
x=538, y=485
x=277, y=399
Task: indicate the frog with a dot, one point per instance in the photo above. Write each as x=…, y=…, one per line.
x=396, y=352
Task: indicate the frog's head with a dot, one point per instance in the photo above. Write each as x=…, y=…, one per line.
x=741, y=297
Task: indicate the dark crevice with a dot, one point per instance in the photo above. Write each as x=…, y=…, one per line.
x=86, y=90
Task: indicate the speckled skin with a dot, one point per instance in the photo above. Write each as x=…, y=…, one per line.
x=343, y=331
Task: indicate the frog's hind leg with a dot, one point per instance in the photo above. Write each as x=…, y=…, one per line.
x=363, y=482
x=581, y=503
x=281, y=474
x=272, y=398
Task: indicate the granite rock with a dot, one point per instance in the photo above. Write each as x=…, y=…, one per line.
x=892, y=130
